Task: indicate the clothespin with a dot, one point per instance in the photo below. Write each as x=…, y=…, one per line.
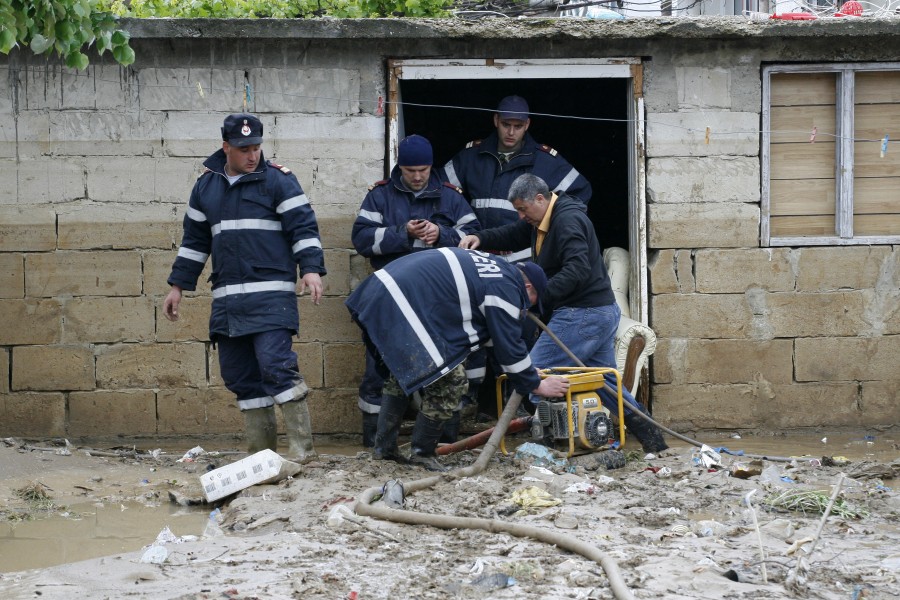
x=379, y=110
x=812, y=135
x=707, y=135
x=884, y=144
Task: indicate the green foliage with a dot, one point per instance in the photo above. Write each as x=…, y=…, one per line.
x=63, y=27
x=277, y=9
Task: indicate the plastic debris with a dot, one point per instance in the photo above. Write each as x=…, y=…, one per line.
x=540, y=455
x=707, y=457
x=191, y=454
x=155, y=555
x=493, y=581
x=392, y=494
x=534, y=498
x=746, y=470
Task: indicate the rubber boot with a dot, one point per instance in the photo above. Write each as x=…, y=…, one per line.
x=260, y=428
x=298, y=428
x=369, y=429
x=389, y=419
x=450, y=431
x=426, y=433
x=648, y=434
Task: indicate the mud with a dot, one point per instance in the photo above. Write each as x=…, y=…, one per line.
x=676, y=528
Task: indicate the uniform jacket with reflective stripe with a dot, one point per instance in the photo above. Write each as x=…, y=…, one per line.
x=379, y=231
x=258, y=231
x=570, y=256
x=426, y=311
x=486, y=181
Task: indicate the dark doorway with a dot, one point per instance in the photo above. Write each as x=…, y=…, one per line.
x=599, y=149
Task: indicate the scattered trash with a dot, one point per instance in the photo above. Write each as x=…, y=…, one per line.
x=531, y=498
x=815, y=502
x=191, y=454
x=605, y=480
x=707, y=457
x=824, y=440
x=681, y=530
x=771, y=474
x=212, y=528
x=746, y=470
x=493, y=581
x=735, y=436
x=708, y=528
x=392, y=494
x=155, y=555
x=566, y=522
x=65, y=450
x=580, y=487
x=664, y=473
x=539, y=455
x=263, y=467
x=339, y=514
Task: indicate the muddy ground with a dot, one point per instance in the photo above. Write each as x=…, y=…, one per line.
x=675, y=527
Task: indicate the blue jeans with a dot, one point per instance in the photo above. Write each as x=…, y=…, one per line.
x=589, y=333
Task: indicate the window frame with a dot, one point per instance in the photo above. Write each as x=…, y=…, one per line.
x=844, y=155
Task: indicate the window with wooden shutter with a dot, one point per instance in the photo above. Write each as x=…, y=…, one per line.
x=829, y=176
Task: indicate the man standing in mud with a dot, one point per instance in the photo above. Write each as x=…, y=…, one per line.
x=422, y=315
x=253, y=218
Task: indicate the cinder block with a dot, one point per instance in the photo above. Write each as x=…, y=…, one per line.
x=158, y=267
x=50, y=368
x=703, y=87
x=701, y=316
x=724, y=361
x=847, y=358
x=162, y=88
x=117, y=178
x=833, y=314
x=663, y=275
x=27, y=229
x=4, y=371
x=344, y=365
x=329, y=91
x=198, y=134
x=337, y=263
x=846, y=267
x=42, y=181
x=193, y=411
x=735, y=271
x=33, y=414
x=334, y=187
x=32, y=134
x=318, y=137
x=30, y=321
x=101, y=273
x=880, y=403
x=684, y=134
x=192, y=323
x=708, y=225
x=681, y=180
x=684, y=270
x=335, y=231
x=118, y=226
x=105, y=133
x=360, y=268
x=151, y=366
x=328, y=322
x=173, y=180
x=12, y=275
x=334, y=410
x=98, y=319
x=120, y=412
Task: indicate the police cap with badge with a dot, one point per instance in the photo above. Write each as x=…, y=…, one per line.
x=242, y=129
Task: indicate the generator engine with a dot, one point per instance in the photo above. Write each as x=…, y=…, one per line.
x=592, y=425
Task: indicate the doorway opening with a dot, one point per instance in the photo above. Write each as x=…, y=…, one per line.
x=588, y=110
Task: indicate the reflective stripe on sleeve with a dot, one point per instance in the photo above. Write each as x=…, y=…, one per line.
x=292, y=203
x=254, y=287
x=304, y=244
x=193, y=255
x=242, y=224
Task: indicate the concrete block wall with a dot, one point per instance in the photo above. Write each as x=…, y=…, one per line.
x=749, y=337
x=101, y=164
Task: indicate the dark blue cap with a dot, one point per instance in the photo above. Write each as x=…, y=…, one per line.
x=414, y=151
x=513, y=107
x=242, y=129
x=537, y=278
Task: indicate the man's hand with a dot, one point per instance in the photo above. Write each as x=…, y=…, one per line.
x=470, y=242
x=424, y=230
x=314, y=282
x=170, y=305
x=552, y=387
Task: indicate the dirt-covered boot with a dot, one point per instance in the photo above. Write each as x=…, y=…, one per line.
x=390, y=418
x=260, y=429
x=369, y=429
x=450, y=431
x=298, y=428
x=425, y=436
x=647, y=433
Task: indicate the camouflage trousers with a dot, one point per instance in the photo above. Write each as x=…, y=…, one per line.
x=438, y=400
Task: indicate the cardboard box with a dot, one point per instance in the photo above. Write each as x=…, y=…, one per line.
x=265, y=466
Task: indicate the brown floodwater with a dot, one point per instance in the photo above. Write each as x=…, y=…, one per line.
x=92, y=530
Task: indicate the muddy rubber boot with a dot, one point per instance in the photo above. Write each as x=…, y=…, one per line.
x=426, y=433
x=648, y=435
x=369, y=429
x=450, y=431
x=260, y=429
x=389, y=419
x=298, y=428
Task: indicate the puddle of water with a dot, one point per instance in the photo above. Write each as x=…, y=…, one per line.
x=883, y=448
x=91, y=531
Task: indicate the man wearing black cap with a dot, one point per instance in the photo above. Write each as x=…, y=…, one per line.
x=486, y=168
x=585, y=315
x=443, y=305
x=251, y=216
x=409, y=212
